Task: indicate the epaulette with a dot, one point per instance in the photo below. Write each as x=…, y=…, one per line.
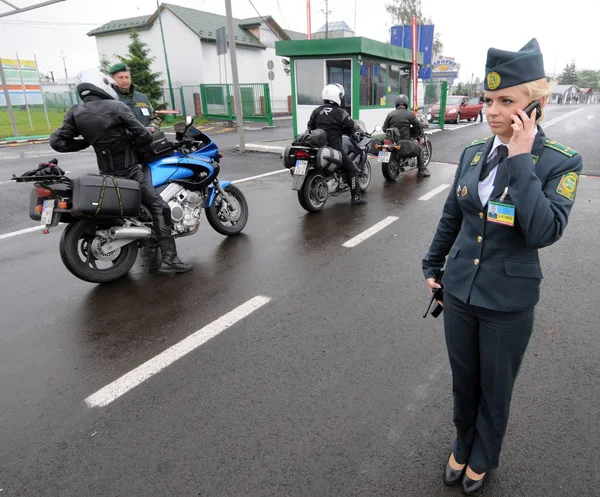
x=479, y=142
x=568, y=151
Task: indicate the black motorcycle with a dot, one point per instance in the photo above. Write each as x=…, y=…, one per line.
x=318, y=171
x=390, y=153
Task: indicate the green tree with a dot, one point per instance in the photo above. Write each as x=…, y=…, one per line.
x=588, y=79
x=403, y=11
x=104, y=63
x=569, y=75
x=138, y=61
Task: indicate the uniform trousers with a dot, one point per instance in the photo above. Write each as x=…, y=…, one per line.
x=485, y=348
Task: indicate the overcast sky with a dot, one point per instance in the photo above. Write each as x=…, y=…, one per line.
x=468, y=27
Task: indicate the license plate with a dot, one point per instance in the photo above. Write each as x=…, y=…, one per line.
x=384, y=156
x=301, y=166
x=47, y=211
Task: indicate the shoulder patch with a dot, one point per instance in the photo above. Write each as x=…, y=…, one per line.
x=568, y=186
x=568, y=151
x=478, y=142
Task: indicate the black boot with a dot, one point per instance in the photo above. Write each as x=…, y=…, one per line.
x=424, y=173
x=170, y=262
x=357, y=198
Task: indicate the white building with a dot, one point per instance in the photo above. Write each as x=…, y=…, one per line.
x=190, y=40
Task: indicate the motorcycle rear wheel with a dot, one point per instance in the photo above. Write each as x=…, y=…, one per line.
x=390, y=170
x=314, y=192
x=77, y=247
x=427, y=150
x=364, y=178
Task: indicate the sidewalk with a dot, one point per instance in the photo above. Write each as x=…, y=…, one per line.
x=278, y=146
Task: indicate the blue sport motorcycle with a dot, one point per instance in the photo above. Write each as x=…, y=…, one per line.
x=107, y=222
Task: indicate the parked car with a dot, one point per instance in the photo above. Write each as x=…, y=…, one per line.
x=458, y=107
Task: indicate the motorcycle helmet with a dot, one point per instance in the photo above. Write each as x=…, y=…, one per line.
x=333, y=93
x=95, y=82
x=402, y=100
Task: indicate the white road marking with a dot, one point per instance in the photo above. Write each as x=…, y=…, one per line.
x=434, y=192
x=140, y=374
x=22, y=232
x=370, y=232
x=462, y=126
x=560, y=118
x=279, y=171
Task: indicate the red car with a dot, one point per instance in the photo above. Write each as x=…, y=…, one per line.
x=457, y=107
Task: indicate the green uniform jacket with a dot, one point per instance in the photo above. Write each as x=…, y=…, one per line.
x=140, y=106
x=497, y=266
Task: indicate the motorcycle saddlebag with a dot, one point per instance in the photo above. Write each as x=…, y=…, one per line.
x=97, y=195
x=289, y=159
x=316, y=138
x=328, y=159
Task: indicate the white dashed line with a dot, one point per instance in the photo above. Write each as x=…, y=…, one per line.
x=434, y=192
x=155, y=365
x=370, y=232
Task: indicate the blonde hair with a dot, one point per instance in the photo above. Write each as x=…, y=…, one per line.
x=536, y=90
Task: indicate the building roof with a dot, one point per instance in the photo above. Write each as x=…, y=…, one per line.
x=335, y=26
x=296, y=35
x=138, y=23
x=563, y=88
x=203, y=24
x=345, y=46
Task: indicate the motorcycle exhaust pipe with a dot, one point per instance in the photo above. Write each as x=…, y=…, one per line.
x=131, y=233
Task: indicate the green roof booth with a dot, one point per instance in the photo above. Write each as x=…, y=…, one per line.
x=372, y=74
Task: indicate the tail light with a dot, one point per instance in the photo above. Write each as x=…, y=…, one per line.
x=302, y=154
x=42, y=192
x=387, y=142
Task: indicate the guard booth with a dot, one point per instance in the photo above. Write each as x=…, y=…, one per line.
x=372, y=74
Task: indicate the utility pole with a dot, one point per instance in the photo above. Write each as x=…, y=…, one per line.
x=162, y=34
x=326, y=12
x=237, y=95
x=63, y=57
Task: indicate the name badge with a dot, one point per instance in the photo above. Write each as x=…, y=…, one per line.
x=145, y=111
x=501, y=213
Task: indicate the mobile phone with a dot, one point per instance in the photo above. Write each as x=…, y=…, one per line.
x=534, y=105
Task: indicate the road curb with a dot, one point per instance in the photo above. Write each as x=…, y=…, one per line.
x=24, y=141
x=259, y=147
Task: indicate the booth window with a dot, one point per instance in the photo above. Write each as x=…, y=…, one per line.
x=340, y=71
x=373, y=84
x=309, y=81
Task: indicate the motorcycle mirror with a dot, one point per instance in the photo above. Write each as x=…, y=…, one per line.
x=189, y=120
x=378, y=128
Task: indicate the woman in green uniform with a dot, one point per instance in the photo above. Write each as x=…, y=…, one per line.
x=512, y=195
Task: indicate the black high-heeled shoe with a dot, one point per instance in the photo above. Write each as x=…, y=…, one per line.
x=470, y=487
x=452, y=476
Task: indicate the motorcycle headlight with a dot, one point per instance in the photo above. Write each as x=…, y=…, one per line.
x=452, y=111
x=429, y=117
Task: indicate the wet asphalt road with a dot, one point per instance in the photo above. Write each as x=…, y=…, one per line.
x=336, y=386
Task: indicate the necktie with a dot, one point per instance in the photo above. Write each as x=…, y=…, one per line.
x=501, y=153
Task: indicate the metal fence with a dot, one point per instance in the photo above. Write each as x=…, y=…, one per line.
x=218, y=102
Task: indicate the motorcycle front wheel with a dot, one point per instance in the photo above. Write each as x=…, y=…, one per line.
x=79, y=246
x=228, y=219
x=364, y=178
x=427, y=150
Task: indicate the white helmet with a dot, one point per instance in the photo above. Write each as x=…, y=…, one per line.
x=93, y=77
x=333, y=93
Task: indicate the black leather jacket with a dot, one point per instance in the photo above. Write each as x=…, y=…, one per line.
x=106, y=124
x=403, y=120
x=335, y=121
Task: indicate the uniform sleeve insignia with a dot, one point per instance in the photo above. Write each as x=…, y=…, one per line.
x=568, y=151
x=568, y=186
x=535, y=159
x=476, y=159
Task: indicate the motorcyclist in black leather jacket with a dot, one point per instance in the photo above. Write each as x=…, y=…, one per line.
x=335, y=121
x=111, y=128
x=409, y=126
